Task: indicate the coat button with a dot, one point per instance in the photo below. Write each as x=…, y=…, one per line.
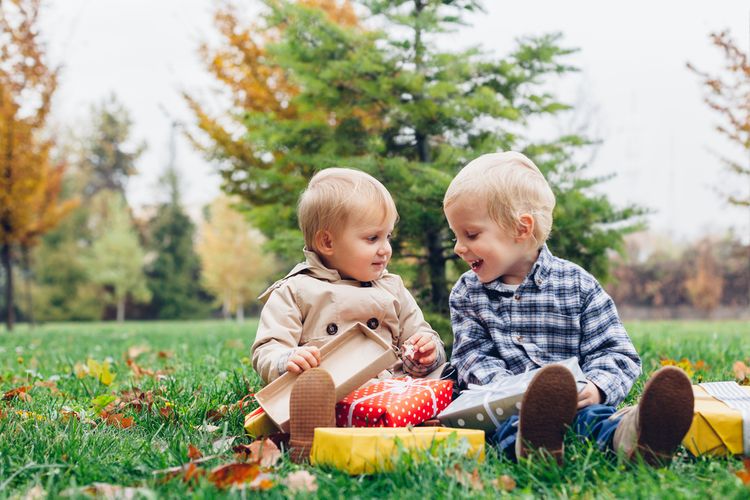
x=332, y=328
x=365, y=284
x=372, y=323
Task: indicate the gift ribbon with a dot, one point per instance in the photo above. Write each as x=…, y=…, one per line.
x=732, y=395
x=395, y=386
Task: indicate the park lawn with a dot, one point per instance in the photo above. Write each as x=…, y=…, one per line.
x=206, y=365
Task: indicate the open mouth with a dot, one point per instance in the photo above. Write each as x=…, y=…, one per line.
x=476, y=264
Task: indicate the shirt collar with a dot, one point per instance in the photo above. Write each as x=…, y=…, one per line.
x=537, y=275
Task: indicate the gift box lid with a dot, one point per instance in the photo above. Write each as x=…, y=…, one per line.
x=506, y=387
x=353, y=358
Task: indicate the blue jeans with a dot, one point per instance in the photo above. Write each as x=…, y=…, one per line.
x=591, y=422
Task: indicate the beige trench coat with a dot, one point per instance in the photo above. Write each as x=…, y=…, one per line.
x=312, y=304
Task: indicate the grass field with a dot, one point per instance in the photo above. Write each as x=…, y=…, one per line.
x=53, y=440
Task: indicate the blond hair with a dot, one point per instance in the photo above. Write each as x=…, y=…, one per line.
x=337, y=196
x=512, y=186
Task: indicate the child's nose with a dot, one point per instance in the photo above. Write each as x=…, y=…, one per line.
x=459, y=248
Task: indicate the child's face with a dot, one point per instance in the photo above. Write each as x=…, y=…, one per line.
x=490, y=250
x=361, y=250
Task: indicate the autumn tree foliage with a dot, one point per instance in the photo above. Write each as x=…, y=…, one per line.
x=235, y=268
x=728, y=93
x=30, y=181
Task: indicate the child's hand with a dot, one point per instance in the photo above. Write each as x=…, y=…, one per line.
x=303, y=359
x=424, y=351
x=590, y=395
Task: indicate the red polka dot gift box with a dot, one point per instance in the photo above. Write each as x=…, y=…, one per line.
x=397, y=402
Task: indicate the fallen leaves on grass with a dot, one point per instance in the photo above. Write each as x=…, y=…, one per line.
x=49, y=384
x=220, y=412
x=741, y=372
x=19, y=392
x=504, y=483
x=194, y=453
x=690, y=368
x=744, y=474
x=263, y=452
x=136, y=350
x=222, y=444
x=468, y=479
x=301, y=481
x=100, y=371
x=108, y=492
x=139, y=371
x=245, y=475
x=117, y=420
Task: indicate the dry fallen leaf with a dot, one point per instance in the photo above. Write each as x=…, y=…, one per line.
x=207, y=428
x=165, y=354
x=52, y=386
x=167, y=411
x=227, y=475
x=19, y=392
x=108, y=492
x=136, y=350
x=117, y=420
x=471, y=480
x=263, y=452
x=34, y=493
x=741, y=372
x=301, y=480
x=504, y=483
x=744, y=474
x=222, y=444
x=194, y=453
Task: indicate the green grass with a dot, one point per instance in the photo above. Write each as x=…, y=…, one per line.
x=210, y=367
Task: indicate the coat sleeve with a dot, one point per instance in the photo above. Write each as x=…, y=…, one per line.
x=279, y=333
x=411, y=322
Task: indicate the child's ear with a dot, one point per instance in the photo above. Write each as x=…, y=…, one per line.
x=324, y=242
x=525, y=228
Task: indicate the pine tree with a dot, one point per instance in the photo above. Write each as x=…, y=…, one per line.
x=174, y=274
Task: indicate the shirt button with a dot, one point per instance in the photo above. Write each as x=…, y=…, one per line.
x=539, y=281
x=517, y=297
x=372, y=323
x=332, y=328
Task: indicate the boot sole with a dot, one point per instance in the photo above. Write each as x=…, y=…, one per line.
x=312, y=404
x=665, y=414
x=547, y=409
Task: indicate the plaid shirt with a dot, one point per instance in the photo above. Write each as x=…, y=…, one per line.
x=559, y=311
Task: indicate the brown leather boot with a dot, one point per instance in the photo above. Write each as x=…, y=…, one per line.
x=547, y=409
x=655, y=427
x=312, y=404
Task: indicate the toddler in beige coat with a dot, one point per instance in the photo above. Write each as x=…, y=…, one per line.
x=346, y=217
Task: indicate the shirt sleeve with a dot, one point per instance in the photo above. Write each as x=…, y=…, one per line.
x=411, y=321
x=279, y=333
x=608, y=357
x=475, y=355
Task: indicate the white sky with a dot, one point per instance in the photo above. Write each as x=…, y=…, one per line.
x=634, y=88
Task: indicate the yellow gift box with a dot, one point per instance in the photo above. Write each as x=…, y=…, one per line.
x=364, y=450
x=716, y=428
x=259, y=424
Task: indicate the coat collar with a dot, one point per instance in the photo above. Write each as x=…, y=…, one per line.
x=312, y=266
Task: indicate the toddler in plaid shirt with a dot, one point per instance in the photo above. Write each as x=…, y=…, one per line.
x=521, y=308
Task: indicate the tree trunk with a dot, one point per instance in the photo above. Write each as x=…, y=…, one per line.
x=121, y=309
x=5, y=255
x=225, y=309
x=436, y=266
x=25, y=252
